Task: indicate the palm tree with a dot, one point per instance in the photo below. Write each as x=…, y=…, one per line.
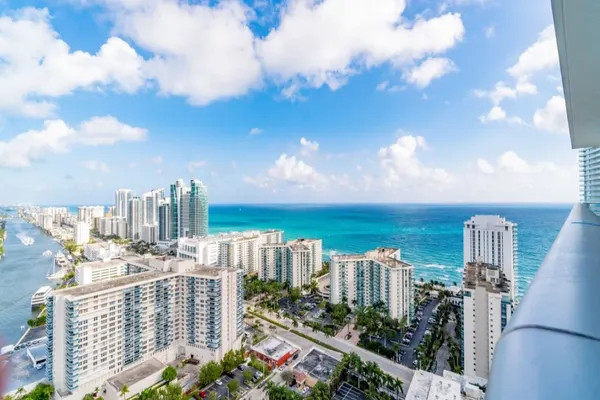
x=124, y=391
x=20, y=391
x=89, y=396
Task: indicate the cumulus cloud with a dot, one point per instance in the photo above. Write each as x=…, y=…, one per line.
x=291, y=171
x=553, y=117
x=256, y=131
x=156, y=160
x=489, y=31
x=31, y=51
x=485, y=166
x=308, y=146
x=497, y=114
x=429, y=70
x=326, y=42
x=402, y=168
x=56, y=137
x=93, y=165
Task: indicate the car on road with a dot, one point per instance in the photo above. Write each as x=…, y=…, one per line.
x=230, y=374
x=218, y=382
x=241, y=367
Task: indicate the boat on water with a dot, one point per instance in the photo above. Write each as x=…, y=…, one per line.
x=58, y=267
x=47, y=253
x=39, y=297
x=26, y=240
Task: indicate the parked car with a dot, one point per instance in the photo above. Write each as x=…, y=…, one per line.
x=194, y=361
x=295, y=356
x=305, y=389
x=241, y=367
x=406, y=341
x=230, y=374
x=218, y=382
x=282, y=368
x=202, y=395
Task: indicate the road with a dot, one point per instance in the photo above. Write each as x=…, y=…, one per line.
x=410, y=355
x=401, y=371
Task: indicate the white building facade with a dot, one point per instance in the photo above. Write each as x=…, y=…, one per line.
x=88, y=213
x=134, y=219
x=492, y=239
x=150, y=233
x=81, y=233
x=377, y=275
x=487, y=308
x=99, y=330
x=113, y=226
x=122, y=197
x=294, y=262
x=102, y=251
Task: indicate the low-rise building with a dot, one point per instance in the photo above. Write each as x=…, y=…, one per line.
x=295, y=261
x=316, y=366
x=274, y=351
x=428, y=386
x=362, y=280
x=102, y=251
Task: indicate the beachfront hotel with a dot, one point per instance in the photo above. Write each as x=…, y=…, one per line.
x=294, y=261
x=487, y=308
x=589, y=177
x=233, y=250
x=492, y=239
x=378, y=275
x=160, y=310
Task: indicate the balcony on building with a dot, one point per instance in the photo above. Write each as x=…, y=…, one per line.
x=551, y=346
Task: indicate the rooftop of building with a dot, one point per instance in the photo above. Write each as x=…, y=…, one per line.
x=475, y=274
x=317, y=364
x=132, y=376
x=115, y=262
x=427, y=386
x=389, y=256
x=273, y=348
x=489, y=221
x=92, y=288
x=296, y=244
x=348, y=392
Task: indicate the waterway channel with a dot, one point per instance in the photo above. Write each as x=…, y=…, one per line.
x=23, y=270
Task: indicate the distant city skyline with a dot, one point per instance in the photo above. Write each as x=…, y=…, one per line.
x=473, y=113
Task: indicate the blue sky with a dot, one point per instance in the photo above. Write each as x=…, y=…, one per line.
x=292, y=101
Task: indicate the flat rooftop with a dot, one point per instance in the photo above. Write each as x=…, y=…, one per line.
x=115, y=262
x=317, y=364
x=38, y=353
x=475, y=274
x=348, y=392
x=112, y=283
x=134, y=375
x=427, y=386
x=273, y=348
x=383, y=255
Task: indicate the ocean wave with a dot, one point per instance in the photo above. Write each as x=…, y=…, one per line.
x=438, y=266
x=459, y=270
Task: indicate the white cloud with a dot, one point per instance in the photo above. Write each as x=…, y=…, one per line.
x=96, y=166
x=553, y=117
x=498, y=114
x=359, y=168
x=489, y=31
x=56, y=137
x=484, y=166
x=157, y=160
x=402, y=169
x=541, y=55
x=502, y=91
x=308, y=146
x=256, y=131
x=31, y=52
x=193, y=165
x=325, y=42
x=382, y=86
x=291, y=171
x=429, y=70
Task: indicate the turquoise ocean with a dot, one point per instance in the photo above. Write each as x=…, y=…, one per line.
x=430, y=237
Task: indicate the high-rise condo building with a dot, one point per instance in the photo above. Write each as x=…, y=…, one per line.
x=103, y=330
x=164, y=220
x=487, y=308
x=493, y=240
x=198, y=209
x=122, y=197
x=589, y=177
x=81, y=233
x=150, y=203
x=378, y=275
x=184, y=230
x=134, y=219
x=294, y=262
x=178, y=208
x=88, y=213
x=113, y=226
x=232, y=250
x=110, y=212
x=150, y=233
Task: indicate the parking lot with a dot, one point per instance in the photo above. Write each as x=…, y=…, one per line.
x=222, y=390
x=409, y=350
x=305, y=308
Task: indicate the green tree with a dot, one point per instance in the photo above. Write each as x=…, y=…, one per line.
x=90, y=396
x=148, y=394
x=42, y=391
x=294, y=294
x=248, y=375
x=171, y=392
x=169, y=374
x=124, y=391
x=233, y=386
x=212, y=396
x=287, y=376
x=320, y=391
x=232, y=359
x=210, y=372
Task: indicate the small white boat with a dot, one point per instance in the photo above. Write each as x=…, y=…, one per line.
x=47, y=253
x=26, y=240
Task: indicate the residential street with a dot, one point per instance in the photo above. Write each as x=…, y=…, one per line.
x=409, y=357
